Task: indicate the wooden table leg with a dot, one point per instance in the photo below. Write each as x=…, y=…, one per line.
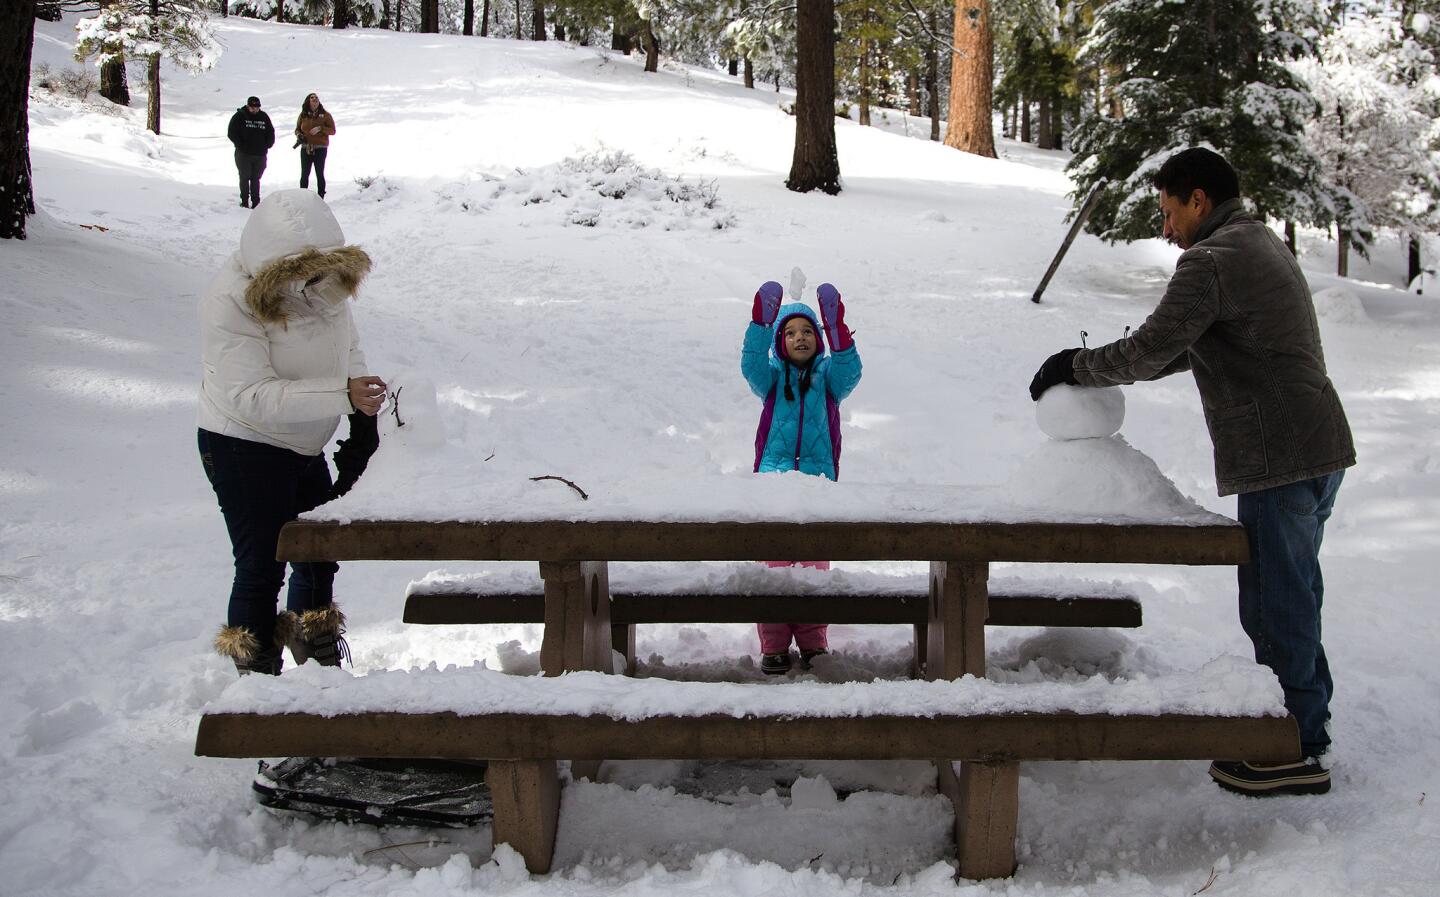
x=526, y=795
x=577, y=617
x=986, y=795
x=577, y=628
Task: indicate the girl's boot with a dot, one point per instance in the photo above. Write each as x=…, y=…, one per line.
x=318, y=633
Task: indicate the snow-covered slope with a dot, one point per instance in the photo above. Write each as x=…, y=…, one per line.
x=569, y=332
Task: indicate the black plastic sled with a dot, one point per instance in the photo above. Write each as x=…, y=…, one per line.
x=427, y=793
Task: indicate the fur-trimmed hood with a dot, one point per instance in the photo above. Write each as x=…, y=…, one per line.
x=291, y=237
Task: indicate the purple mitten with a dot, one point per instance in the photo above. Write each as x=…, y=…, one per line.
x=832, y=312
x=767, y=303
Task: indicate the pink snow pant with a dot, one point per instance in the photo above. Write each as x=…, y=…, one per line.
x=775, y=637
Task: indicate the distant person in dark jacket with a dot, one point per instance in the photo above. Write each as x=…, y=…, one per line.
x=253, y=135
x=313, y=130
x=1238, y=314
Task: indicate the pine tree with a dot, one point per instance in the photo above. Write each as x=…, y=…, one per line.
x=1376, y=129
x=1206, y=72
x=1420, y=20
x=972, y=71
x=177, y=30
x=17, y=37
x=1036, y=60
x=816, y=162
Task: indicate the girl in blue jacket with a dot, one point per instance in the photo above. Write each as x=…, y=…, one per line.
x=785, y=363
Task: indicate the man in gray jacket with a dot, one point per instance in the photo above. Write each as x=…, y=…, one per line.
x=1238, y=314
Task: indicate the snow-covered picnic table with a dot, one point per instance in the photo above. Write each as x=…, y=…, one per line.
x=573, y=545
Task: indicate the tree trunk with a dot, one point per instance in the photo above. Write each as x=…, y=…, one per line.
x=932, y=78
x=1414, y=258
x=399, y=13
x=1290, y=236
x=559, y=31
x=279, y=10
x=342, y=14
x=114, y=86
x=619, y=37
x=1043, y=139
x=467, y=27
x=152, y=74
x=652, y=48
x=971, y=77
x=485, y=19
x=1057, y=124
x=867, y=74
x=816, y=164
x=17, y=196
x=749, y=71
x=519, y=28
x=733, y=67
x=152, y=86
x=912, y=92
x=1024, y=119
x=1342, y=266
x=224, y=9
x=537, y=20
x=429, y=16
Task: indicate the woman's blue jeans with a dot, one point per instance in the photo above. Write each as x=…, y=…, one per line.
x=261, y=488
x=1281, y=593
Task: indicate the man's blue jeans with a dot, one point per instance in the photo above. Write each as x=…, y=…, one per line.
x=261, y=488
x=1281, y=593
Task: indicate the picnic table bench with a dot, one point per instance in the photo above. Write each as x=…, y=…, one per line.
x=746, y=592
x=573, y=557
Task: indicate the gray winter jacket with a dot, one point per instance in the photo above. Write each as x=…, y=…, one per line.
x=1238, y=313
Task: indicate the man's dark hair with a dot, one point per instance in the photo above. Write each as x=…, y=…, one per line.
x=1198, y=167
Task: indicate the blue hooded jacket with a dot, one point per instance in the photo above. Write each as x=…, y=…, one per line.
x=800, y=424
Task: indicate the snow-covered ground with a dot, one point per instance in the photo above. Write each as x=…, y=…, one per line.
x=566, y=331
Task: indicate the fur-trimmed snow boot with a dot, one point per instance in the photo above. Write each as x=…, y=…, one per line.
x=318, y=633
x=241, y=646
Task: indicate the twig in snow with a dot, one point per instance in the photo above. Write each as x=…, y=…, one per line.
x=1422, y=799
x=563, y=480
x=492, y=454
x=1208, y=882
x=817, y=857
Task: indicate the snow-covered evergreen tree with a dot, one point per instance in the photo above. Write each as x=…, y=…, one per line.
x=1207, y=72
x=1376, y=133
x=177, y=30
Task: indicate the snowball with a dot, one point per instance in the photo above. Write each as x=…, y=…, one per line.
x=797, y=283
x=1074, y=412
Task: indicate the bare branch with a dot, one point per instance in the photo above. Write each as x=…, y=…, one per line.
x=565, y=481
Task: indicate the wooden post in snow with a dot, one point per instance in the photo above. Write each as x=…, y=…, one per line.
x=1085, y=209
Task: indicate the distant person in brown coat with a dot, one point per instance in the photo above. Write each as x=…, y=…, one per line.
x=312, y=134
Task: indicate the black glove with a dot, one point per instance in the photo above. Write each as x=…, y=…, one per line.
x=1058, y=368
x=354, y=453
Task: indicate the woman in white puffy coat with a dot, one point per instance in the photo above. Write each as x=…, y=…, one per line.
x=282, y=366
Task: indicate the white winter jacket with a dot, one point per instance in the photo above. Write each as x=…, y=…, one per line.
x=278, y=357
